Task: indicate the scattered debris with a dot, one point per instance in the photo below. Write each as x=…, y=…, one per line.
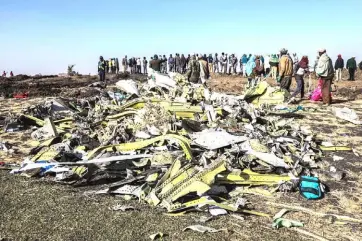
x=238, y=217
x=203, y=229
x=347, y=114
x=311, y=188
x=279, y=221
x=157, y=236
x=336, y=217
x=122, y=208
x=337, y=158
x=179, y=147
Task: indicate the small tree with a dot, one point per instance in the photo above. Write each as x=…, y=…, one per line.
x=71, y=72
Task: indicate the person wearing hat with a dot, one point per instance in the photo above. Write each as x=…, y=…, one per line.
x=155, y=64
x=102, y=69
x=325, y=72
x=338, y=66
x=285, y=70
x=352, y=67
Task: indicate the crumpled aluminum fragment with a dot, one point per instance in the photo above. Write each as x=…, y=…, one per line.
x=122, y=208
x=214, y=139
x=203, y=229
x=269, y=158
x=337, y=158
x=157, y=236
x=128, y=86
x=217, y=211
x=347, y=114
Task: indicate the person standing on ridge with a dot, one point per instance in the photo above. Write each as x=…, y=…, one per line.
x=178, y=63
x=259, y=69
x=230, y=61
x=193, y=70
x=11, y=74
x=216, y=63
x=234, y=63
x=138, y=65
x=145, y=62
x=130, y=64
x=325, y=71
x=338, y=66
x=110, y=66
x=171, y=64
x=244, y=61
x=125, y=64
x=210, y=61
x=102, y=69
x=204, y=69
x=134, y=64
x=183, y=64
x=352, y=67
x=117, y=65
x=285, y=70
x=188, y=60
x=113, y=61
x=274, y=62
x=223, y=61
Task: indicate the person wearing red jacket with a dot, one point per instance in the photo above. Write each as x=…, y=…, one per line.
x=11, y=74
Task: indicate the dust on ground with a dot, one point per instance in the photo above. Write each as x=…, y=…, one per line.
x=38, y=209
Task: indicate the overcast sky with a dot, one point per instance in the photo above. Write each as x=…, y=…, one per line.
x=44, y=36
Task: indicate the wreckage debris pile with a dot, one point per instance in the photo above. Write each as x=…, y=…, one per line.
x=179, y=147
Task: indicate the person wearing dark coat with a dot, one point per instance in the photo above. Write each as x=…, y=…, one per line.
x=183, y=64
x=352, y=68
x=338, y=67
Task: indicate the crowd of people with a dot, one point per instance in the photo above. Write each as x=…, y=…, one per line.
x=281, y=67
x=5, y=74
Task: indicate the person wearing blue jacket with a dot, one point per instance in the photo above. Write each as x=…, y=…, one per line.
x=243, y=62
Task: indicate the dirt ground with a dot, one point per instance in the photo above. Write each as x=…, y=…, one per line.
x=33, y=209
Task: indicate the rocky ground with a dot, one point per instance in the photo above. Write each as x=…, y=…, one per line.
x=38, y=210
